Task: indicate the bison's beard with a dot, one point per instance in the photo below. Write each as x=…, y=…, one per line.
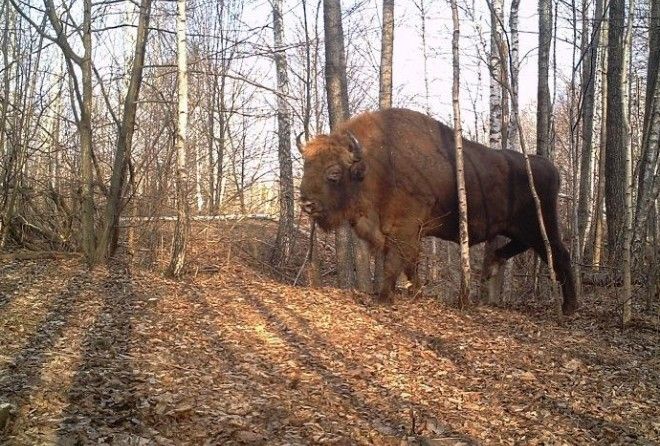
x=329, y=221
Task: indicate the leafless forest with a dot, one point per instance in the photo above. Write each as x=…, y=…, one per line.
x=159, y=283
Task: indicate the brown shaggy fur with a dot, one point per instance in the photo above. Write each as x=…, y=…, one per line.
x=399, y=185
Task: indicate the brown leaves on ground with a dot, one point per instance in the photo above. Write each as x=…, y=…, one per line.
x=116, y=356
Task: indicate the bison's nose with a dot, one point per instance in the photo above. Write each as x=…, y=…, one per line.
x=308, y=206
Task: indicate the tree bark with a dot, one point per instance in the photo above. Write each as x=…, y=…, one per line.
x=587, y=119
x=182, y=226
x=285, y=230
x=544, y=111
x=110, y=235
x=385, y=99
x=647, y=186
x=348, y=263
x=386, y=53
x=492, y=280
x=464, y=292
x=617, y=130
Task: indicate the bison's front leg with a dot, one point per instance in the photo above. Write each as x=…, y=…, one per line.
x=392, y=267
x=401, y=254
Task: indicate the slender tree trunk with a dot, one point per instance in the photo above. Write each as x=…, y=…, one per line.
x=544, y=111
x=513, y=140
x=464, y=292
x=386, y=53
x=617, y=130
x=285, y=230
x=648, y=184
x=492, y=279
x=599, y=230
x=314, y=264
x=110, y=235
x=85, y=129
x=182, y=226
x=425, y=58
x=588, y=97
x=628, y=179
x=385, y=99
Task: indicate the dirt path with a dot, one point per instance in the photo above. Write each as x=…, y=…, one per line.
x=121, y=357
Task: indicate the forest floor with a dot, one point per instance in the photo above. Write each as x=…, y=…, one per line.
x=125, y=356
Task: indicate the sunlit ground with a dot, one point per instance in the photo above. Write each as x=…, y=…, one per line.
x=125, y=356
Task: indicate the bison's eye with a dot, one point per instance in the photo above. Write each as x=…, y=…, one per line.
x=333, y=174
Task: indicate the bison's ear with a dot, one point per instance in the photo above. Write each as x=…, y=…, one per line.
x=358, y=170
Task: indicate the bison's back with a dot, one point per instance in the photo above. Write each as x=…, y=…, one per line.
x=412, y=163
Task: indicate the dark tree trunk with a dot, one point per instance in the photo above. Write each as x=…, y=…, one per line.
x=615, y=174
x=544, y=111
x=109, y=238
x=337, y=92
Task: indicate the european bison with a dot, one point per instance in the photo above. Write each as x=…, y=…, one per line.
x=391, y=175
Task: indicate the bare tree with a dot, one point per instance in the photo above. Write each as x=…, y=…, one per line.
x=628, y=175
x=385, y=98
x=492, y=275
x=337, y=92
x=544, y=104
x=126, y=128
x=182, y=227
x=648, y=185
x=386, y=53
x=285, y=230
x=590, y=49
x=617, y=130
x=464, y=292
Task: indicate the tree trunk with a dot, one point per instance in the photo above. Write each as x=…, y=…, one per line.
x=617, y=130
x=492, y=279
x=599, y=229
x=85, y=129
x=337, y=92
x=588, y=102
x=385, y=100
x=513, y=139
x=386, y=52
x=285, y=230
x=647, y=187
x=628, y=180
x=464, y=292
x=182, y=225
x=110, y=235
x=544, y=111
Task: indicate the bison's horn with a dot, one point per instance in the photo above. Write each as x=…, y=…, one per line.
x=299, y=143
x=355, y=146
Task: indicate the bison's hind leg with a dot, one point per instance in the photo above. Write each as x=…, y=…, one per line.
x=561, y=260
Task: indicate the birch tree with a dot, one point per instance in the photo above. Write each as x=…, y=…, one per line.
x=182, y=226
x=648, y=185
x=590, y=50
x=464, y=292
x=285, y=229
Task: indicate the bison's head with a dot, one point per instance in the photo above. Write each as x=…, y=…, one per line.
x=332, y=171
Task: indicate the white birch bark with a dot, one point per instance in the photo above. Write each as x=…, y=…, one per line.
x=182, y=226
x=464, y=292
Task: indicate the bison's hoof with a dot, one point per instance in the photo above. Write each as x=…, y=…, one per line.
x=569, y=307
x=383, y=300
